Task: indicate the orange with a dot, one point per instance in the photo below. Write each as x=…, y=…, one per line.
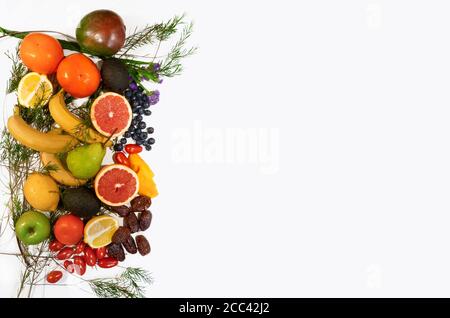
x=41, y=53
x=78, y=75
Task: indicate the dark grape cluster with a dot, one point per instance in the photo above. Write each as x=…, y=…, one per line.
x=139, y=131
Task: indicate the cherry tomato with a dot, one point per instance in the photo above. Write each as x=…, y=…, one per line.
x=101, y=252
x=78, y=75
x=68, y=265
x=90, y=256
x=80, y=265
x=54, y=276
x=132, y=148
x=41, y=53
x=107, y=262
x=80, y=247
x=55, y=246
x=65, y=253
x=121, y=158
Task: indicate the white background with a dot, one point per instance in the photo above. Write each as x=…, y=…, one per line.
x=350, y=196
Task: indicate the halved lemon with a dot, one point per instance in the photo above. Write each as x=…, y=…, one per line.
x=99, y=230
x=34, y=90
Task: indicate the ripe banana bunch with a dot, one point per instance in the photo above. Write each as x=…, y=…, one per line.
x=37, y=140
x=71, y=123
x=58, y=172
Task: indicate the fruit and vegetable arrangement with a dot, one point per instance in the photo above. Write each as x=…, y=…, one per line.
x=79, y=100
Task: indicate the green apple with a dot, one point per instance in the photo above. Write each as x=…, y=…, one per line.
x=32, y=228
x=85, y=161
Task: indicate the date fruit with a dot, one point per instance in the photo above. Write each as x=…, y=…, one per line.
x=122, y=210
x=130, y=245
x=145, y=219
x=116, y=251
x=140, y=203
x=121, y=235
x=131, y=222
x=143, y=245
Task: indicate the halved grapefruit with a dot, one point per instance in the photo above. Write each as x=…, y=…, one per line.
x=111, y=114
x=116, y=185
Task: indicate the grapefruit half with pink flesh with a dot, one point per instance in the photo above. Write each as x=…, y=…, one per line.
x=111, y=114
x=116, y=185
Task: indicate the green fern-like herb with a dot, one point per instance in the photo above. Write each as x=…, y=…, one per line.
x=130, y=284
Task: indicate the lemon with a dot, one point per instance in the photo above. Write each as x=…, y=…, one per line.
x=99, y=231
x=34, y=90
x=41, y=192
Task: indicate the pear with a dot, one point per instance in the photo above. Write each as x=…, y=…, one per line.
x=85, y=161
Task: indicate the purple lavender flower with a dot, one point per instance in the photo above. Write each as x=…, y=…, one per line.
x=154, y=98
x=133, y=86
x=156, y=67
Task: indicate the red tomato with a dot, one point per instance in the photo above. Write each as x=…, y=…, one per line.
x=101, y=252
x=90, y=256
x=68, y=229
x=132, y=148
x=68, y=265
x=55, y=246
x=80, y=265
x=78, y=75
x=54, y=276
x=41, y=53
x=80, y=247
x=65, y=253
x=121, y=158
x=107, y=262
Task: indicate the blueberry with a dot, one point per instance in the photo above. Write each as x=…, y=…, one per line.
x=128, y=93
x=134, y=98
x=151, y=141
x=123, y=141
x=150, y=130
x=144, y=99
x=139, y=118
x=146, y=104
x=143, y=135
x=134, y=137
x=141, y=111
x=148, y=147
x=136, y=110
x=118, y=147
x=135, y=121
x=135, y=104
x=147, y=112
x=140, y=142
x=127, y=134
x=142, y=125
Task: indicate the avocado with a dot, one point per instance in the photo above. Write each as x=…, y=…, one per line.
x=114, y=75
x=81, y=201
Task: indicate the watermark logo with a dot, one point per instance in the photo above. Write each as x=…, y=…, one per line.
x=231, y=146
x=374, y=16
x=374, y=276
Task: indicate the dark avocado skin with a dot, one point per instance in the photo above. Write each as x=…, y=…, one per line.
x=101, y=32
x=81, y=201
x=114, y=75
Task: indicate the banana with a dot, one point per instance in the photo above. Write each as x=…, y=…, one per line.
x=71, y=123
x=60, y=173
x=37, y=140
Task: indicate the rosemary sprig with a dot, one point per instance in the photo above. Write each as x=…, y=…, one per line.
x=130, y=284
x=18, y=71
x=172, y=66
x=149, y=34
